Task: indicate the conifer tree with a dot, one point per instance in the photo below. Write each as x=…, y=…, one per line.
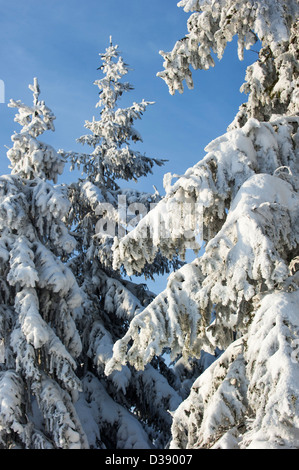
x=129, y=408
x=240, y=295
x=40, y=298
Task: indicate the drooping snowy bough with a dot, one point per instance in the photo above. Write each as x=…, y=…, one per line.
x=241, y=200
x=249, y=254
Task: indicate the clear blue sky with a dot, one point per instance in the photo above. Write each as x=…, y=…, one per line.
x=59, y=42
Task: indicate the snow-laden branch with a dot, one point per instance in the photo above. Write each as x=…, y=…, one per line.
x=108, y=420
x=213, y=24
x=248, y=255
x=111, y=135
x=195, y=206
x=247, y=398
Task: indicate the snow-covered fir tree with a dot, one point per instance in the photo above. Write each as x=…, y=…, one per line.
x=40, y=298
x=127, y=409
x=241, y=295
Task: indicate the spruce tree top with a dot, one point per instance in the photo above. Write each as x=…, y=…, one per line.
x=111, y=136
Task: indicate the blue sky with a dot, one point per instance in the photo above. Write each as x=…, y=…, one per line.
x=59, y=42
